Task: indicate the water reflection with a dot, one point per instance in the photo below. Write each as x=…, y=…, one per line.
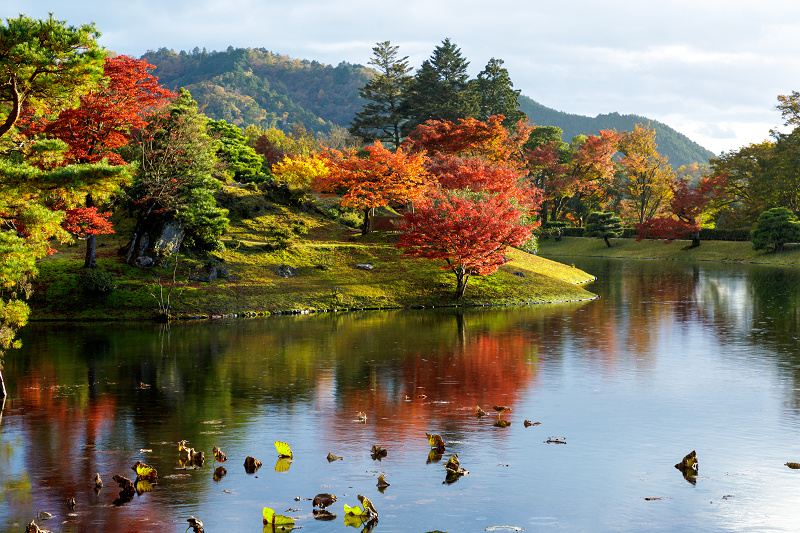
x=672, y=357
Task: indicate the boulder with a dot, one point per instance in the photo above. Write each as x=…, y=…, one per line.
x=285, y=271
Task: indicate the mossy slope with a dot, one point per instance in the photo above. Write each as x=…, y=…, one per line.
x=264, y=235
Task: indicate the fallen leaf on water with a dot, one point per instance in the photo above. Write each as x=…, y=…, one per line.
x=479, y=412
x=382, y=483
x=556, y=440
x=435, y=440
x=501, y=408
x=220, y=473
x=195, y=524
x=219, y=455
x=378, y=452
x=283, y=449
x=277, y=521
x=502, y=423
x=793, y=465
x=323, y=500
x=43, y=515
x=251, y=464
x=144, y=471
x=528, y=423
x=332, y=458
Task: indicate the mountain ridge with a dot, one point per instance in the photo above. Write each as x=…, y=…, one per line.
x=247, y=86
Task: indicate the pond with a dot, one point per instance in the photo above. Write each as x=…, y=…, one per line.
x=673, y=357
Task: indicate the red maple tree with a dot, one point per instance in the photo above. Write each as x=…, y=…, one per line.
x=471, y=233
x=470, y=138
x=688, y=203
x=380, y=179
x=97, y=128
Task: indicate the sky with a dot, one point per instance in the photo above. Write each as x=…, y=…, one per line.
x=711, y=69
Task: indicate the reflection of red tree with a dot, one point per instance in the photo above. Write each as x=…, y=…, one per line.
x=67, y=428
x=484, y=368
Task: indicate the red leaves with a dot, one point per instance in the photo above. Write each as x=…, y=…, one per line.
x=470, y=233
x=84, y=221
x=470, y=137
x=105, y=117
x=688, y=203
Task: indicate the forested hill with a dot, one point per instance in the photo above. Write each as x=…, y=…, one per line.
x=678, y=147
x=254, y=86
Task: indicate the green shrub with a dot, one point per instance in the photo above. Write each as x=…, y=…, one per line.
x=96, y=281
x=774, y=228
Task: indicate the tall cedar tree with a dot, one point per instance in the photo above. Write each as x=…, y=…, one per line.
x=495, y=94
x=687, y=205
x=98, y=127
x=440, y=90
x=470, y=232
x=175, y=176
x=380, y=179
x=381, y=118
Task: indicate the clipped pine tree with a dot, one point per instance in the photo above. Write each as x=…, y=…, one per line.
x=603, y=226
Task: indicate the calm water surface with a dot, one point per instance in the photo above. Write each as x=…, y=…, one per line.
x=672, y=357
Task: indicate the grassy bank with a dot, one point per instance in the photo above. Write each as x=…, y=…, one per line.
x=324, y=254
x=730, y=251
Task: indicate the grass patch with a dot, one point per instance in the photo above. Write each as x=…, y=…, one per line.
x=725, y=251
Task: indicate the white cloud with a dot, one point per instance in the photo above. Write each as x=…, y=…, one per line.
x=709, y=68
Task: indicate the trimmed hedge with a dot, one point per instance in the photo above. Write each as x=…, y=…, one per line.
x=706, y=234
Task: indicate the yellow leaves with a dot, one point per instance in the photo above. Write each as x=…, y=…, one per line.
x=277, y=521
x=300, y=171
x=144, y=471
x=435, y=440
x=283, y=449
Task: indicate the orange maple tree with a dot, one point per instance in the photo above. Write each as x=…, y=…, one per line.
x=469, y=137
x=584, y=173
x=380, y=179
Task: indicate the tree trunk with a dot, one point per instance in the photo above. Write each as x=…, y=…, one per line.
x=461, y=285
x=607, y=243
x=91, y=246
x=365, y=229
x=695, y=239
x=2, y=387
x=91, y=241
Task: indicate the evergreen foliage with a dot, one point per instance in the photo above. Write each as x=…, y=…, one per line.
x=603, y=226
x=252, y=86
x=774, y=228
x=440, y=89
x=381, y=117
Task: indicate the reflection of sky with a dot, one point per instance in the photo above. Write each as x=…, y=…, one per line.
x=632, y=383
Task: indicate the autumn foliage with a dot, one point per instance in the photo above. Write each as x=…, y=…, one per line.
x=382, y=178
x=470, y=233
x=104, y=120
x=469, y=137
x=688, y=203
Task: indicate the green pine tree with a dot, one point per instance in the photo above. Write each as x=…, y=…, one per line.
x=441, y=89
x=381, y=117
